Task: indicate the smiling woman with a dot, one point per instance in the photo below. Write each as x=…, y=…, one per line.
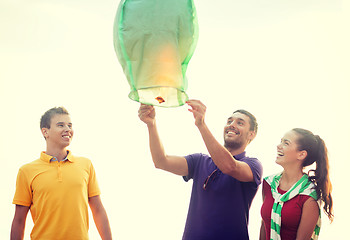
x=290, y=209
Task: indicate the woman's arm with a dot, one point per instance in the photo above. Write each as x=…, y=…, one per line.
x=262, y=231
x=262, y=228
x=309, y=217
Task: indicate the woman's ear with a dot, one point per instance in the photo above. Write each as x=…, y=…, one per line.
x=302, y=155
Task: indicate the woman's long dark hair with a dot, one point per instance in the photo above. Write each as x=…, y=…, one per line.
x=317, y=152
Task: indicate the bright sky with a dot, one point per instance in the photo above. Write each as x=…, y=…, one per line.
x=285, y=61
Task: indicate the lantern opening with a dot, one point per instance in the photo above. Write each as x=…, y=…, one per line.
x=159, y=96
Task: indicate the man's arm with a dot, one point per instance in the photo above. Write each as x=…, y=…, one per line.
x=222, y=158
x=100, y=217
x=173, y=164
x=19, y=222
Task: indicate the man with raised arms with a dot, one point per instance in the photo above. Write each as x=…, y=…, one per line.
x=224, y=183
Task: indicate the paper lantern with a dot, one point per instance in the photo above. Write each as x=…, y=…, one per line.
x=154, y=41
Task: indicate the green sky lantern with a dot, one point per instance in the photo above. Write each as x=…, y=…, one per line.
x=154, y=41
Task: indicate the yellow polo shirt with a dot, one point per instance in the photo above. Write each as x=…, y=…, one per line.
x=57, y=193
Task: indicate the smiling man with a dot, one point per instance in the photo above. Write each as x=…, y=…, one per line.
x=58, y=187
x=224, y=183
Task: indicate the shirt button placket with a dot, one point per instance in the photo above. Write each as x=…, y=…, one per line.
x=59, y=172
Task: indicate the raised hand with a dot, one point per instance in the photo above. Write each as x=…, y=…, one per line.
x=198, y=109
x=147, y=114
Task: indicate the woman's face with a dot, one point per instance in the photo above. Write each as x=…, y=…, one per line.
x=288, y=152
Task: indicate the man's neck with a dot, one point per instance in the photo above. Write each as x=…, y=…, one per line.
x=58, y=153
x=236, y=151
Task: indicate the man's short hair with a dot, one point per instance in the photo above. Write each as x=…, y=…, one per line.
x=45, y=120
x=253, y=122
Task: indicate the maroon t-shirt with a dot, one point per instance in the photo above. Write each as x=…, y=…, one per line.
x=291, y=213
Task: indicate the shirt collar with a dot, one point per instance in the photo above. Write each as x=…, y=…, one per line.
x=240, y=156
x=48, y=158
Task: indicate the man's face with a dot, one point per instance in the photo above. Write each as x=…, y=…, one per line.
x=237, y=131
x=60, y=133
